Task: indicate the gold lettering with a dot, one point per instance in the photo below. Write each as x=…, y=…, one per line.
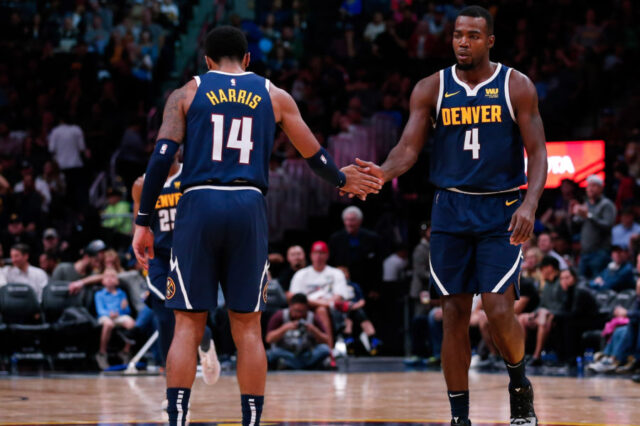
x=486, y=110
x=455, y=116
x=446, y=116
x=223, y=97
x=496, y=113
x=212, y=97
x=255, y=101
x=476, y=114
x=241, y=96
x=232, y=95
x=466, y=115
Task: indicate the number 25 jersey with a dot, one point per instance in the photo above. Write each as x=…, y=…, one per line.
x=230, y=131
x=165, y=215
x=476, y=145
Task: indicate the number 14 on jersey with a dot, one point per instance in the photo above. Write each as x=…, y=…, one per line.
x=239, y=137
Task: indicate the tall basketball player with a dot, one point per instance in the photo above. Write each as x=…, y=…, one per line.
x=226, y=119
x=482, y=114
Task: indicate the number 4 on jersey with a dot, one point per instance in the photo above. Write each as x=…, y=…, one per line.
x=239, y=127
x=471, y=143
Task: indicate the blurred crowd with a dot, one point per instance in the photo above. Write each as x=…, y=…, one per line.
x=81, y=89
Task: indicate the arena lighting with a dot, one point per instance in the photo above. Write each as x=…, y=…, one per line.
x=574, y=160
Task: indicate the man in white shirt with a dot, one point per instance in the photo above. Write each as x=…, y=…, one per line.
x=324, y=285
x=546, y=247
x=622, y=232
x=23, y=273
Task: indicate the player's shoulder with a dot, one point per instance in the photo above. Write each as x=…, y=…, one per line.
x=520, y=85
x=426, y=91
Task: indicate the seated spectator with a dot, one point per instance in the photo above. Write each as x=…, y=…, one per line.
x=621, y=233
x=48, y=262
x=394, y=266
x=297, y=337
x=618, y=275
x=597, y=217
x=531, y=267
x=358, y=249
x=22, y=272
x=323, y=285
x=51, y=243
x=296, y=260
x=354, y=309
x=116, y=218
x=79, y=272
x=542, y=318
x=30, y=182
x=18, y=232
x=624, y=342
x=113, y=311
x=546, y=247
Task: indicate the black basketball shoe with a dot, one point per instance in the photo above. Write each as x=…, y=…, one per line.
x=522, y=412
x=457, y=421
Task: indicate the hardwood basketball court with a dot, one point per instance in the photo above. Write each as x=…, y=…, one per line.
x=317, y=398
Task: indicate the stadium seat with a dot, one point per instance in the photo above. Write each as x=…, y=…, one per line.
x=625, y=299
x=27, y=332
x=56, y=298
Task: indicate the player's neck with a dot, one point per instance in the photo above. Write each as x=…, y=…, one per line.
x=230, y=68
x=477, y=75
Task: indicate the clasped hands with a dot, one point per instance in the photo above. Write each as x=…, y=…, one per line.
x=363, y=178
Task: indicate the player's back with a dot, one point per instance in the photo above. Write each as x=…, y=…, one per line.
x=230, y=131
x=476, y=145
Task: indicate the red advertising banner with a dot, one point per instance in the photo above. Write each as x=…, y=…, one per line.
x=574, y=160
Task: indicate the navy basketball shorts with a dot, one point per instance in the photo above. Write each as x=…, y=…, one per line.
x=470, y=249
x=158, y=272
x=220, y=236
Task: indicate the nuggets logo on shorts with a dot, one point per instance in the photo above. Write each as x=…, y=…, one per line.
x=264, y=291
x=171, y=288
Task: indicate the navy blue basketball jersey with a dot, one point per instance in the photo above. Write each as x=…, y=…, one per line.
x=477, y=145
x=230, y=131
x=164, y=215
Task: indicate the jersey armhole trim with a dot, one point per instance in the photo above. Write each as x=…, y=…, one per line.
x=506, y=94
x=440, y=93
x=197, y=79
x=267, y=84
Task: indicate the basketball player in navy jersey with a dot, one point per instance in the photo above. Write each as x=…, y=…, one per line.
x=162, y=223
x=480, y=115
x=226, y=120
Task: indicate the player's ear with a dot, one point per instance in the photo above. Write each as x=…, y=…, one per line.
x=246, y=60
x=491, y=41
x=210, y=64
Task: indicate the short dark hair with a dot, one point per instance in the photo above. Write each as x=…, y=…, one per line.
x=550, y=261
x=479, y=12
x=225, y=42
x=299, y=298
x=573, y=273
x=21, y=247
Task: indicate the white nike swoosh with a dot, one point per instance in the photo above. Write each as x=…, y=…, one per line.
x=453, y=396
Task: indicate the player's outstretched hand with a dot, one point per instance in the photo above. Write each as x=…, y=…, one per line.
x=360, y=181
x=521, y=226
x=143, y=245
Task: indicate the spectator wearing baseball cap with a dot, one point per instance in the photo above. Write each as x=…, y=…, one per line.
x=84, y=271
x=596, y=218
x=16, y=232
x=619, y=273
x=325, y=286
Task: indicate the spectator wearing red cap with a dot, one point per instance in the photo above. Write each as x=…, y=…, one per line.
x=324, y=286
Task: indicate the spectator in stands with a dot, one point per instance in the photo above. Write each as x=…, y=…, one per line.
x=54, y=179
x=421, y=272
x=66, y=144
x=297, y=337
x=29, y=183
x=626, y=186
x=48, y=261
x=546, y=248
x=375, y=27
x=358, y=249
x=51, y=244
x=113, y=311
x=597, y=217
x=116, y=219
x=395, y=265
x=541, y=319
x=621, y=233
x=78, y=272
x=296, y=260
x=18, y=233
x=96, y=36
x=22, y=272
x=324, y=286
x=354, y=309
x=531, y=267
x=618, y=275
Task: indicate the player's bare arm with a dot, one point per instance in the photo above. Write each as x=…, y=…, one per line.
x=171, y=133
x=524, y=99
x=136, y=193
x=287, y=115
x=404, y=155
